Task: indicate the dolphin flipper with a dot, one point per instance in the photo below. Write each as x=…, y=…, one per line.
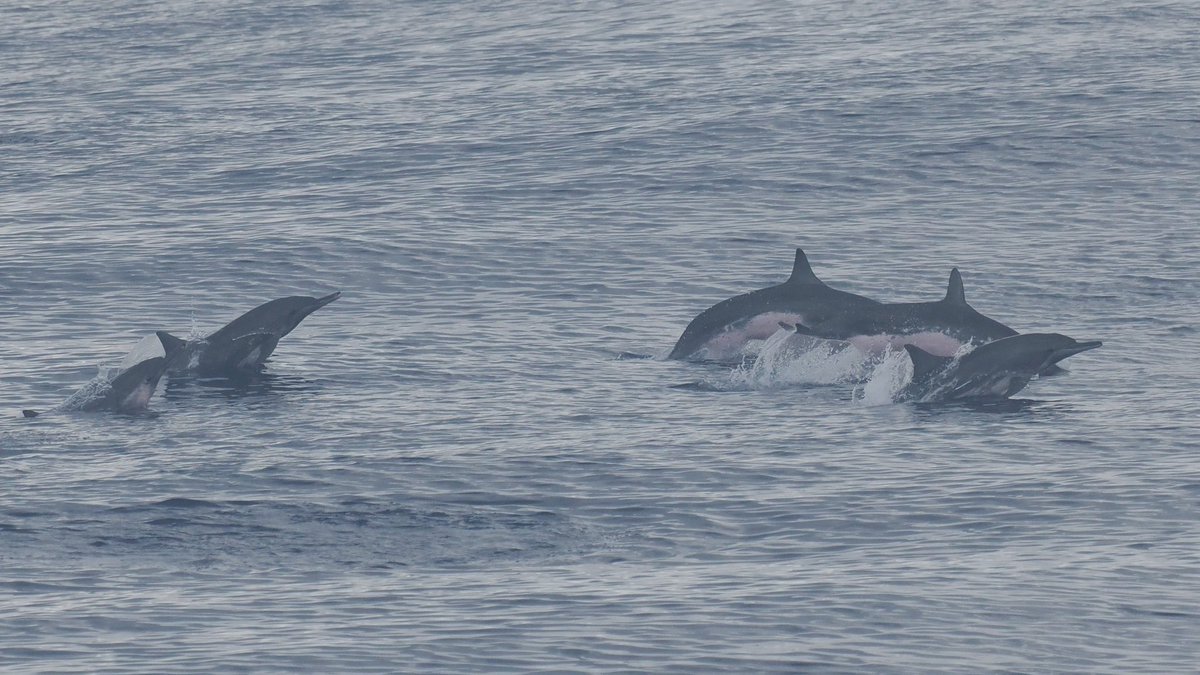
x=247, y=352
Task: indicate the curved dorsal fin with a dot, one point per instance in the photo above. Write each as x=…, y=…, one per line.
x=924, y=363
x=801, y=271
x=954, y=290
x=170, y=343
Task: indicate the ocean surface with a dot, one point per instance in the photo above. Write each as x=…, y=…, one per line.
x=467, y=463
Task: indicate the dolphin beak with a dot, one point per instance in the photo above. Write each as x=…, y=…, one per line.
x=321, y=302
x=1060, y=354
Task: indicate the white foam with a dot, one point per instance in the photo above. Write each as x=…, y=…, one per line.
x=789, y=359
x=891, y=374
x=96, y=388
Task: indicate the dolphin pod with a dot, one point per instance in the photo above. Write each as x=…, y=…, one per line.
x=241, y=346
x=931, y=333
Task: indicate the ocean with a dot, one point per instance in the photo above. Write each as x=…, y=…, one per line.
x=477, y=459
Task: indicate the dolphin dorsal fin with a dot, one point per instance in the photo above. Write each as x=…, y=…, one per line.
x=801, y=271
x=170, y=343
x=955, y=294
x=924, y=363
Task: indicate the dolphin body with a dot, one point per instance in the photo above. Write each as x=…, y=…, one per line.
x=130, y=391
x=720, y=332
x=940, y=327
x=247, y=341
x=995, y=370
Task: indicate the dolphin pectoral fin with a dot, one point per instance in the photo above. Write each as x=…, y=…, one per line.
x=30, y=413
x=1051, y=370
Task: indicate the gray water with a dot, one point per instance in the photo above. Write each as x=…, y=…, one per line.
x=462, y=465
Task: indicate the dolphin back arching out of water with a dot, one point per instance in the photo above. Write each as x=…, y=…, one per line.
x=721, y=331
x=246, y=342
x=940, y=327
x=130, y=391
x=995, y=370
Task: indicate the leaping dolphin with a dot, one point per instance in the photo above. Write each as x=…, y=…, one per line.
x=247, y=341
x=940, y=327
x=997, y=369
x=721, y=331
x=130, y=391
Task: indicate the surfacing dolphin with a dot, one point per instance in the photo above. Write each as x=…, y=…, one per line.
x=720, y=332
x=130, y=391
x=995, y=370
x=247, y=341
x=940, y=327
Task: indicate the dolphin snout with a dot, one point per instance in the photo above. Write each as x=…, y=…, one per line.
x=321, y=302
x=1083, y=347
x=1064, y=352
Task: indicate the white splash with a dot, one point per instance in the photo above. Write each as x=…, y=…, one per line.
x=890, y=375
x=195, y=333
x=788, y=359
x=96, y=388
x=893, y=373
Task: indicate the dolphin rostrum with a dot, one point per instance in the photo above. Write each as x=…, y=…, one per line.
x=721, y=331
x=939, y=327
x=246, y=342
x=131, y=390
x=997, y=369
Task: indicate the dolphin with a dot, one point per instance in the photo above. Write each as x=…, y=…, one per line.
x=130, y=391
x=995, y=370
x=941, y=327
x=720, y=332
x=247, y=341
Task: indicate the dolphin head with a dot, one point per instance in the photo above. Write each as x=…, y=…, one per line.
x=132, y=389
x=1025, y=355
x=1059, y=347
